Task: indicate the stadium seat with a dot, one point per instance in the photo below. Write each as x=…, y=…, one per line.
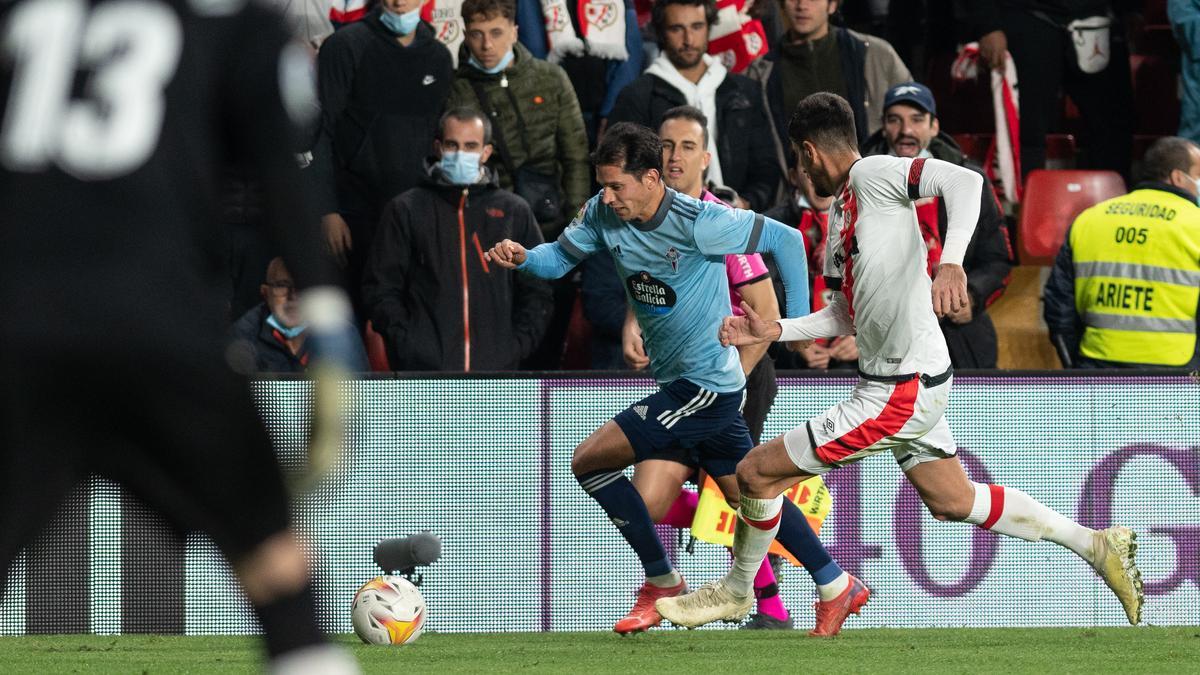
x=577, y=346
x=1052, y=200
x=376, y=350
x=974, y=146
x=1060, y=151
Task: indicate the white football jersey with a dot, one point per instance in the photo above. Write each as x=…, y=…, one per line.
x=876, y=256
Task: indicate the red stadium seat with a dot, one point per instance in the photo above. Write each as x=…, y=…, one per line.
x=974, y=146
x=376, y=350
x=1052, y=200
x=1060, y=151
x=577, y=346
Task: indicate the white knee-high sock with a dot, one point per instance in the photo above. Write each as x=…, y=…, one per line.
x=1012, y=512
x=758, y=523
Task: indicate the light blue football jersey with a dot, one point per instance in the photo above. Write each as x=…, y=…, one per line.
x=673, y=266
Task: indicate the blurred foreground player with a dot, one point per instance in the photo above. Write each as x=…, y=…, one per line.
x=875, y=255
x=117, y=119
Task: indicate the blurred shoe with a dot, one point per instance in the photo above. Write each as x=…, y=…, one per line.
x=767, y=622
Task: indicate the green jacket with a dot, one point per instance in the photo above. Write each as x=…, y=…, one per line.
x=557, y=142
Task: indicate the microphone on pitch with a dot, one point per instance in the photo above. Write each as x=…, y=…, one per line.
x=404, y=555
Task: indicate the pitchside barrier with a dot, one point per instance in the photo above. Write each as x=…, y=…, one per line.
x=484, y=463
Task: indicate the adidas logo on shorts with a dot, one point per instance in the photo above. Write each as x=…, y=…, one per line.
x=641, y=410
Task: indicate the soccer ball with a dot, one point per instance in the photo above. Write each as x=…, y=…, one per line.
x=388, y=610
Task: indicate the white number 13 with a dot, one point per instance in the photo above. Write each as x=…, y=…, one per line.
x=130, y=48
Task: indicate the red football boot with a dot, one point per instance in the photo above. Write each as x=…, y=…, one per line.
x=832, y=614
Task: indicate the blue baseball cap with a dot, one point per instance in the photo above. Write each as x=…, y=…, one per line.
x=911, y=92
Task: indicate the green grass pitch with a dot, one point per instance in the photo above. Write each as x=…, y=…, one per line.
x=1020, y=650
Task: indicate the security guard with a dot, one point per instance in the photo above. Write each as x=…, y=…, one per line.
x=1125, y=286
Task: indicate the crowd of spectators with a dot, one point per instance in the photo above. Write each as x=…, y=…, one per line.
x=447, y=125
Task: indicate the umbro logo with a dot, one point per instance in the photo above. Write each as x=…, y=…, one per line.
x=429, y=79
x=641, y=410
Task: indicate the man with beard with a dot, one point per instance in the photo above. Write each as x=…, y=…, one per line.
x=739, y=136
x=911, y=129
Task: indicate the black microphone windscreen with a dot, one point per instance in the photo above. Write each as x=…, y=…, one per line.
x=422, y=548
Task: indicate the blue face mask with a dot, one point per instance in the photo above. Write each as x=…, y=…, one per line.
x=1197, y=180
x=492, y=71
x=289, y=333
x=461, y=168
x=401, y=24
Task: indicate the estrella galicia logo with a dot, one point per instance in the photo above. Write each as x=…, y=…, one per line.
x=655, y=296
x=672, y=256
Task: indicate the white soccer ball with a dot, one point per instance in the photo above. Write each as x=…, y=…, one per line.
x=388, y=610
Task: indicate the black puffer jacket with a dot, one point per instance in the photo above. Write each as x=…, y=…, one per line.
x=428, y=290
x=744, y=143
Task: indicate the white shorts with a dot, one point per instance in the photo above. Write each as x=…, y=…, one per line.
x=906, y=418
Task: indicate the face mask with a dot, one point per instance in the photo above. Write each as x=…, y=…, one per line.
x=1197, y=181
x=499, y=66
x=401, y=24
x=289, y=333
x=461, y=168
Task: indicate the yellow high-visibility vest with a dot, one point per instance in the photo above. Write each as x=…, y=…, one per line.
x=1137, y=278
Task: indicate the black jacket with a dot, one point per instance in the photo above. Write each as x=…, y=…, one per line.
x=853, y=54
x=988, y=261
x=413, y=285
x=256, y=347
x=380, y=104
x=744, y=144
x=984, y=16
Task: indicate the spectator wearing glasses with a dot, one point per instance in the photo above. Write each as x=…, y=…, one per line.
x=271, y=337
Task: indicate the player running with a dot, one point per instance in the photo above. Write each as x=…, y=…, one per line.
x=118, y=119
x=660, y=480
x=876, y=257
x=669, y=249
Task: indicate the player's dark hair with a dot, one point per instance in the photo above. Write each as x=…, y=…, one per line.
x=658, y=14
x=1164, y=156
x=825, y=120
x=687, y=112
x=630, y=146
x=465, y=114
x=485, y=10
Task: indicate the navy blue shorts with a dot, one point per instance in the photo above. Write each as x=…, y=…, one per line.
x=685, y=423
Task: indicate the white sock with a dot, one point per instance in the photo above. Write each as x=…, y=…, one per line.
x=314, y=660
x=1009, y=511
x=834, y=588
x=757, y=525
x=667, y=580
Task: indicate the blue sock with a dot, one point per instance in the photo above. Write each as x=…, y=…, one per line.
x=624, y=506
x=798, y=538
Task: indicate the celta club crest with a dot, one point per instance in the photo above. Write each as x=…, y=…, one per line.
x=601, y=14
x=672, y=256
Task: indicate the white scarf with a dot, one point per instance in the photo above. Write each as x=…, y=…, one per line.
x=444, y=16
x=601, y=21
x=702, y=95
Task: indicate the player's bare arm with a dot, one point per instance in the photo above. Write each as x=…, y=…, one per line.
x=761, y=296
x=507, y=254
x=632, y=346
x=751, y=329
